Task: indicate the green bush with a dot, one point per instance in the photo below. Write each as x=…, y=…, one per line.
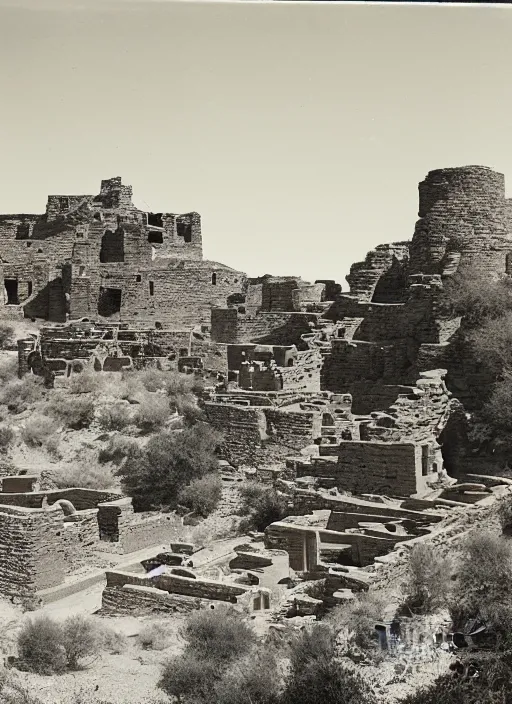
x=156, y=473
x=261, y=506
x=189, y=678
x=477, y=298
x=85, y=383
x=202, y=495
x=8, y=369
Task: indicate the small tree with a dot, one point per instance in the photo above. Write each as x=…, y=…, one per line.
x=428, y=579
x=20, y=394
x=152, y=412
x=75, y=412
x=189, y=678
x=202, y=495
x=155, y=474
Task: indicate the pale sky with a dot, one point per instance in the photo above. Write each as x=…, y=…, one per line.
x=299, y=132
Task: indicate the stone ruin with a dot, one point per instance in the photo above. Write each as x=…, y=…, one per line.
x=352, y=404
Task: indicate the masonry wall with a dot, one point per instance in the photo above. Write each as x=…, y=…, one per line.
x=29, y=561
x=461, y=210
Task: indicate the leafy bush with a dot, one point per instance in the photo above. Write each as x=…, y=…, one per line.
x=40, y=646
x=155, y=474
x=86, y=475
x=505, y=515
x=358, y=617
x=188, y=408
x=182, y=385
x=428, y=579
x=261, y=506
x=75, y=412
x=19, y=394
x=154, y=636
x=483, y=589
x=115, y=417
x=37, y=430
x=253, y=678
x=153, y=379
x=202, y=495
x=152, y=412
x=7, y=336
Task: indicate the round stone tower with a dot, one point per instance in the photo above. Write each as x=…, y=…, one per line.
x=462, y=222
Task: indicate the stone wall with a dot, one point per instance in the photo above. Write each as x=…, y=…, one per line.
x=29, y=561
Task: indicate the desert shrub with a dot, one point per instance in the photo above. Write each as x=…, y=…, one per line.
x=37, y=430
x=7, y=436
x=14, y=692
x=254, y=678
x=86, y=475
x=80, y=638
x=358, y=618
x=8, y=369
x=154, y=636
x=40, y=646
x=493, y=685
x=7, y=336
x=483, y=588
x=261, y=506
x=189, y=678
x=477, y=298
x=152, y=412
x=154, y=474
x=188, y=408
x=222, y=634
x=491, y=341
x=181, y=385
x=118, y=449
x=110, y=640
x=116, y=417
x=317, y=677
x=19, y=394
x=152, y=379
x=202, y=495
x=505, y=515
x=428, y=579
x=74, y=412
x=84, y=383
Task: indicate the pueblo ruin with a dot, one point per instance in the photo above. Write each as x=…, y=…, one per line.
x=351, y=404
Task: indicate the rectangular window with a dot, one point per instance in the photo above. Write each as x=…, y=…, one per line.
x=138, y=278
x=151, y=288
x=29, y=288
